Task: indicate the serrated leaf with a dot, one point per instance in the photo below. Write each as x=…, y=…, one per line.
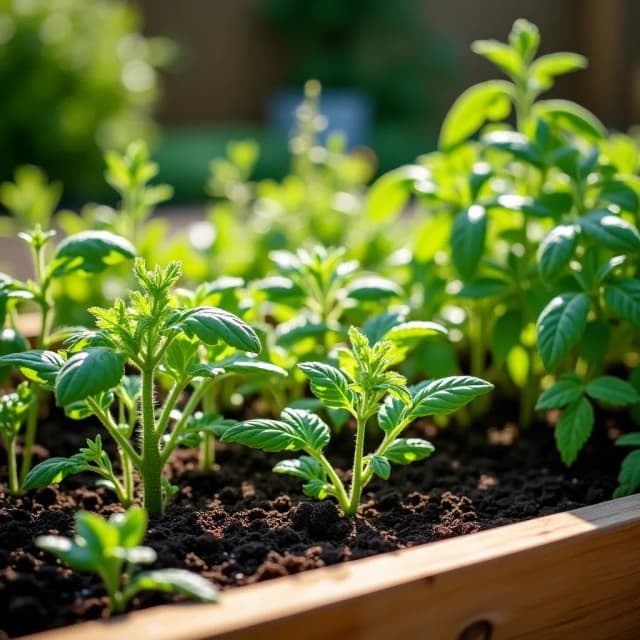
x=468, y=236
x=380, y=466
x=50, y=471
x=612, y=391
x=91, y=251
x=212, y=325
x=485, y=101
x=446, y=395
x=372, y=288
x=611, y=231
x=304, y=467
x=179, y=581
x=329, y=385
x=560, y=326
x=574, y=429
x=556, y=250
x=391, y=413
x=36, y=365
x=408, y=450
x=559, y=395
x=623, y=298
x=297, y=430
x=88, y=373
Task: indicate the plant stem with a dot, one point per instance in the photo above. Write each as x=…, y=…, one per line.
x=14, y=485
x=151, y=467
x=341, y=493
x=356, y=482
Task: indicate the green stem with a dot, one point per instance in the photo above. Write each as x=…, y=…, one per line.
x=341, y=493
x=207, y=452
x=30, y=431
x=151, y=467
x=14, y=485
x=356, y=483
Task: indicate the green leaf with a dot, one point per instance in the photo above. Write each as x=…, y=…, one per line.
x=611, y=231
x=389, y=194
x=595, y=341
x=629, y=478
x=623, y=298
x=11, y=341
x=524, y=38
x=212, y=325
x=391, y=413
x=506, y=334
x=76, y=556
x=485, y=101
x=556, y=250
x=612, y=391
x=88, y=373
x=574, y=429
x=446, y=395
x=573, y=117
x=372, y=288
x=407, y=450
x=250, y=367
x=298, y=329
x=559, y=395
x=279, y=288
x=483, y=288
x=304, y=467
x=36, y=365
x=617, y=192
x=517, y=144
x=409, y=334
x=179, y=581
x=329, y=385
x=297, y=430
x=91, y=251
x=96, y=532
x=377, y=327
x=546, y=68
x=380, y=466
x=560, y=326
x=468, y=236
x=317, y=489
x=131, y=526
x=501, y=54
x=50, y=471
x=629, y=440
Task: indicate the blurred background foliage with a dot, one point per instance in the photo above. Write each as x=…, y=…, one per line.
x=77, y=78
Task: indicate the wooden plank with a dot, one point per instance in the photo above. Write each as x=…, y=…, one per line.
x=570, y=575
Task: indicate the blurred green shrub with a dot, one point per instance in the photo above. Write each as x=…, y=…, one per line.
x=76, y=78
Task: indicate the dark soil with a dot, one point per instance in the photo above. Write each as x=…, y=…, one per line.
x=242, y=523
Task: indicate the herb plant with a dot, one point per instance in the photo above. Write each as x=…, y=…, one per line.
x=151, y=335
x=14, y=408
x=111, y=548
x=365, y=386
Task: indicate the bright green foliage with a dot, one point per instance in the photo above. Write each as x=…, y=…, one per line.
x=365, y=387
x=112, y=549
x=155, y=335
x=83, y=80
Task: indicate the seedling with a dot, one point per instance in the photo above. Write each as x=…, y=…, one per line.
x=153, y=335
x=14, y=408
x=364, y=386
x=111, y=548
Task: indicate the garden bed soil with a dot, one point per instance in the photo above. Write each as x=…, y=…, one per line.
x=243, y=524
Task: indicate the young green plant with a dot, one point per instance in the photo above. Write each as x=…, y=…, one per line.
x=14, y=409
x=111, y=548
x=153, y=335
x=364, y=386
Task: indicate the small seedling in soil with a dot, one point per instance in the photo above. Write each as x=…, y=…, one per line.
x=14, y=409
x=111, y=548
x=364, y=386
x=154, y=336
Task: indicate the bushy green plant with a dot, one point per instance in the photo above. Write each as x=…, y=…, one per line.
x=82, y=78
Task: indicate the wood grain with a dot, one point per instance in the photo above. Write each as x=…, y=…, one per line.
x=570, y=575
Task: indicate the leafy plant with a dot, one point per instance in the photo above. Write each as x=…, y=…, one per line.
x=111, y=548
x=364, y=386
x=154, y=336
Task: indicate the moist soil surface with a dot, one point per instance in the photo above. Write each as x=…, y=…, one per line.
x=240, y=523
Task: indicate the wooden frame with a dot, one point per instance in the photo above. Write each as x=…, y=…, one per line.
x=569, y=575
